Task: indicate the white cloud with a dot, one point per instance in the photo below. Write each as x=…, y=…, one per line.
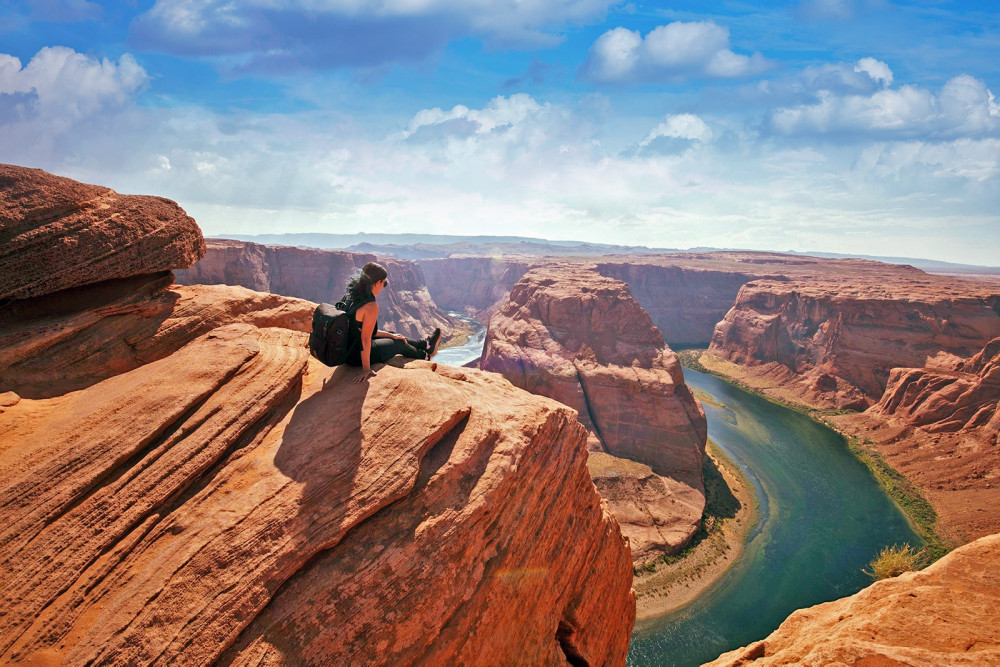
x=963, y=107
x=536, y=167
x=63, y=85
x=680, y=126
x=673, y=51
x=876, y=69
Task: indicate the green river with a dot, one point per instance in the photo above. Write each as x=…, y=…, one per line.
x=822, y=518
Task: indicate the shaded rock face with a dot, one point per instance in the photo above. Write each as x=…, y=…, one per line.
x=944, y=615
x=685, y=304
x=477, y=285
x=321, y=276
x=57, y=233
x=838, y=341
x=197, y=489
x=580, y=338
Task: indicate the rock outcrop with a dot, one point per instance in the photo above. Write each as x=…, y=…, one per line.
x=321, y=276
x=944, y=615
x=940, y=428
x=941, y=401
x=200, y=490
x=57, y=233
x=66, y=341
x=836, y=341
x=578, y=337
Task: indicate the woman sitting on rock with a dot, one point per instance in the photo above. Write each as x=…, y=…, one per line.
x=368, y=344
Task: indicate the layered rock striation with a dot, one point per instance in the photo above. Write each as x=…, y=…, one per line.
x=578, y=337
x=836, y=341
x=405, y=306
x=200, y=490
x=57, y=233
x=944, y=615
x=942, y=401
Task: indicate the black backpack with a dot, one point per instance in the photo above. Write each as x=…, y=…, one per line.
x=330, y=340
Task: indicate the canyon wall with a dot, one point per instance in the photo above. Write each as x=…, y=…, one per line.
x=684, y=303
x=200, y=490
x=476, y=285
x=405, y=306
x=571, y=334
x=836, y=341
x=944, y=615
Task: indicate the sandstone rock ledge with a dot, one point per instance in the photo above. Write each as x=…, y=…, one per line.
x=187, y=511
x=57, y=233
x=944, y=615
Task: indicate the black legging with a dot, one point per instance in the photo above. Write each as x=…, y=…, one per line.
x=384, y=349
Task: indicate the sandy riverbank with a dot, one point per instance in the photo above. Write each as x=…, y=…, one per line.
x=730, y=512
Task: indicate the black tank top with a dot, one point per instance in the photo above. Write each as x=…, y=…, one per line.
x=354, y=332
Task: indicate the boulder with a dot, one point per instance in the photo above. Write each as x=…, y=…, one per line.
x=57, y=233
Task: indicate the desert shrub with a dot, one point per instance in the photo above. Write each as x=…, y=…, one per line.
x=894, y=561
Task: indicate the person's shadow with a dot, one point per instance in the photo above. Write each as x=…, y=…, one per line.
x=321, y=447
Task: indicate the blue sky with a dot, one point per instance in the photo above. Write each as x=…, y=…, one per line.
x=856, y=126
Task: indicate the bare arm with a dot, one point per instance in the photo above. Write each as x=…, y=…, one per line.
x=369, y=314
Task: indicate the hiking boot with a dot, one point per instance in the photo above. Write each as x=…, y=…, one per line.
x=432, y=343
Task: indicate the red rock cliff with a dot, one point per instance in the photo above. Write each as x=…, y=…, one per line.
x=837, y=340
x=944, y=615
x=320, y=276
x=685, y=303
x=571, y=334
x=210, y=493
x=939, y=427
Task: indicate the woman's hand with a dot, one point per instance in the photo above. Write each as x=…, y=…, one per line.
x=365, y=374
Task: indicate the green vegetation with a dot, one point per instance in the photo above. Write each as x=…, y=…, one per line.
x=691, y=358
x=895, y=560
